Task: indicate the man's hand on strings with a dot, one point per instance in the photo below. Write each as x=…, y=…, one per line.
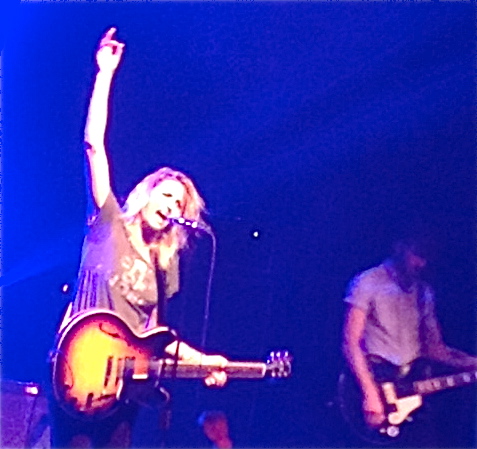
x=109, y=52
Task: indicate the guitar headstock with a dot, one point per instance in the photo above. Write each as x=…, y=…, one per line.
x=279, y=364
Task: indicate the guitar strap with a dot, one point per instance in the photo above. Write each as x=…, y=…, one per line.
x=161, y=315
x=421, y=305
x=66, y=317
x=161, y=292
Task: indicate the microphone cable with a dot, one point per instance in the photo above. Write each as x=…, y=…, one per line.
x=205, y=324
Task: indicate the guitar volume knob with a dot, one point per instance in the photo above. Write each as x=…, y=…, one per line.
x=392, y=431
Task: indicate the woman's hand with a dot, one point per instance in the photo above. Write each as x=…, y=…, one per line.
x=216, y=378
x=109, y=52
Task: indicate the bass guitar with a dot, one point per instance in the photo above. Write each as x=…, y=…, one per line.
x=401, y=395
x=98, y=357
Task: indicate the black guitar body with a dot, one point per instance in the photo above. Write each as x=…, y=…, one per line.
x=350, y=400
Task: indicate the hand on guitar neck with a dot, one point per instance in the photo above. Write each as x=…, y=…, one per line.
x=217, y=378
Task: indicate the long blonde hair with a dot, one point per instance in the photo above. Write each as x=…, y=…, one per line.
x=192, y=209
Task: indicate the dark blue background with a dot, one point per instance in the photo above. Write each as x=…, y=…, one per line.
x=329, y=127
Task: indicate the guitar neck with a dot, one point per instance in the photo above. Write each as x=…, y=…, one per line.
x=445, y=382
x=239, y=370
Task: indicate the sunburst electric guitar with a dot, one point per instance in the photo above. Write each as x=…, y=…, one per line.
x=401, y=393
x=97, y=357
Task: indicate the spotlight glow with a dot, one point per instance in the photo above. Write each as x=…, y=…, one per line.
x=32, y=390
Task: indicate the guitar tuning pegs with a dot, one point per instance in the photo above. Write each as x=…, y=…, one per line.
x=279, y=364
x=279, y=355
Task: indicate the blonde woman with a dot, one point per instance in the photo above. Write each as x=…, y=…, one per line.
x=130, y=256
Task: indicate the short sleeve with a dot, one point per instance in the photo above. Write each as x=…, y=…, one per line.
x=360, y=291
x=108, y=212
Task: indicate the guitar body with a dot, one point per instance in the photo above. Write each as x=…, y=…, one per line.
x=402, y=389
x=94, y=353
x=397, y=395
x=99, y=361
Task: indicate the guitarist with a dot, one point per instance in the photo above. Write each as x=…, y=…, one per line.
x=391, y=318
x=130, y=257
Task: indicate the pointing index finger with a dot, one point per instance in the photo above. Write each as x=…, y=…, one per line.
x=108, y=35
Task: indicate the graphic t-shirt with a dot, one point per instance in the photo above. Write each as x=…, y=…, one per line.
x=114, y=276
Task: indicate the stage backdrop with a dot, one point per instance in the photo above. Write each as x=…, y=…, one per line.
x=317, y=132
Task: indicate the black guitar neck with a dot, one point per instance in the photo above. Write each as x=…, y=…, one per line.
x=429, y=386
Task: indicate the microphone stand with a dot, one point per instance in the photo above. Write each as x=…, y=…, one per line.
x=199, y=228
x=165, y=417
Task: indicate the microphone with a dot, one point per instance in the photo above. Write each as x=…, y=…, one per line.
x=190, y=224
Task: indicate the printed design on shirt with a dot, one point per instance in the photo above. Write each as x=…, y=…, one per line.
x=133, y=280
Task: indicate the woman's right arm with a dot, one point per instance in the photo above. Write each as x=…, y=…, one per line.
x=108, y=57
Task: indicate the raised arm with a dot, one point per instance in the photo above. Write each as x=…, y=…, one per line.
x=107, y=57
x=352, y=334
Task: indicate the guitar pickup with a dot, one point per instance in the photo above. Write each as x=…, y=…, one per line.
x=129, y=366
x=109, y=369
x=119, y=371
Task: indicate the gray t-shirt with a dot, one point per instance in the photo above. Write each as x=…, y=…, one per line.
x=394, y=316
x=114, y=276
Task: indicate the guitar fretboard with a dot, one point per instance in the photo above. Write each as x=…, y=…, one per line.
x=242, y=370
x=444, y=382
